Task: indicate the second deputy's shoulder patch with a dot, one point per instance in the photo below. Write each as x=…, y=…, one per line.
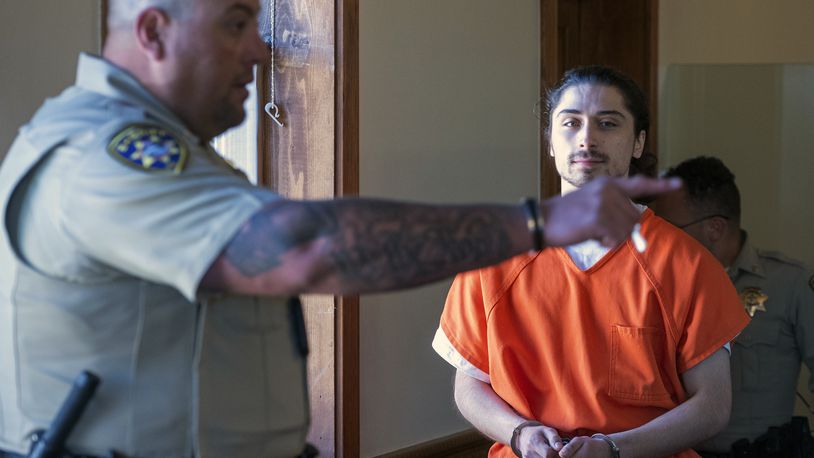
x=149, y=148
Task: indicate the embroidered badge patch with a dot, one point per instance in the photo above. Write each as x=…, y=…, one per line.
x=753, y=300
x=149, y=148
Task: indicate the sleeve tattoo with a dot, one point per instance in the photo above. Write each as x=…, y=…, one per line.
x=373, y=243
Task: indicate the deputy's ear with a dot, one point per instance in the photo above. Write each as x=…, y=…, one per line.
x=151, y=26
x=715, y=228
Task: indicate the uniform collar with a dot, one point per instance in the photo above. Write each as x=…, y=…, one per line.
x=99, y=75
x=747, y=260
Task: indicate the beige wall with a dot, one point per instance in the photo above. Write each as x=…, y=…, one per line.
x=447, y=90
x=38, y=54
x=735, y=31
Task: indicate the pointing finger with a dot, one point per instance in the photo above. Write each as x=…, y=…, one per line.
x=640, y=186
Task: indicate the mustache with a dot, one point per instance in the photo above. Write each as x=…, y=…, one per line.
x=587, y=155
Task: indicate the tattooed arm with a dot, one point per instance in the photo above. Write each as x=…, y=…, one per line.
x=349, y=246
x=360, y=245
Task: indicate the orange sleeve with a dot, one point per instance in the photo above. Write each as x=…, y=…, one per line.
x=464, y=319
x=714, y=313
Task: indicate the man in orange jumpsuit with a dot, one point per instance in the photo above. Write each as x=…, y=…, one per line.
x=596, y=349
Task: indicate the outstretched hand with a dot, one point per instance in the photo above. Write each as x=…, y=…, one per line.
x=601, y=210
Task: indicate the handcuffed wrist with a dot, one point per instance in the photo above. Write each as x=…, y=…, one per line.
x=610, y=442
x=516, y=436
x=534, y=222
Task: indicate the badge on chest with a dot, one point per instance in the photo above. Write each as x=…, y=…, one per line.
x=754, y=300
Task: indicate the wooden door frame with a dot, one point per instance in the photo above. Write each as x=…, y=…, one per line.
x=103, y=8
x=347, y=423
x=550, y=73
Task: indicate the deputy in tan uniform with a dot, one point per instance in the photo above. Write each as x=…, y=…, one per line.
x=131, y=249
x=777, y=292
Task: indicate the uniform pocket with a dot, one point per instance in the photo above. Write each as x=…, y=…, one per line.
x=753, y=353
x=252, y=376
x=635, y=365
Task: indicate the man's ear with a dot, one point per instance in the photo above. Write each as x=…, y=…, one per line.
x=715, y=228
x=638, y=144
x=151, y=27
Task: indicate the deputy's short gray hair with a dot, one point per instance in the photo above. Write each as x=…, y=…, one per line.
x=124, y=12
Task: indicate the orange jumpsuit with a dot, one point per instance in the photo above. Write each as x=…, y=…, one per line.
x=599, y=350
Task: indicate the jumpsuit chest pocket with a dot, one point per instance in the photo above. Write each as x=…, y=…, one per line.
x=636, y=375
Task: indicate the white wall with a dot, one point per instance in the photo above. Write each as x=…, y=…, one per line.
x=38, y=54
x=447, y=90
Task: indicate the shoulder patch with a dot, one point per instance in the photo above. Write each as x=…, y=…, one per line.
x=149, y=148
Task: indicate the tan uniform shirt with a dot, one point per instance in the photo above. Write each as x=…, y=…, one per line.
x=779, y=294
x=101, y=261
